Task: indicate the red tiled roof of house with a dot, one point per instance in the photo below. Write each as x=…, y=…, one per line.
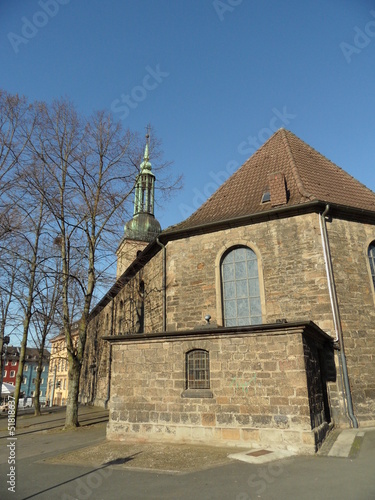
x=309, y=176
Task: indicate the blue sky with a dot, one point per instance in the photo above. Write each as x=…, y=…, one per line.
x=212, y=76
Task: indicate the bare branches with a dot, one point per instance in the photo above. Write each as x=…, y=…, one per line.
x=69, y=182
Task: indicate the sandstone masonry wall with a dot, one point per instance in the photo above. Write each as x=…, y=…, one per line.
x=293, y=284
x=349, y=243
x=291, y=264
x=258, y=382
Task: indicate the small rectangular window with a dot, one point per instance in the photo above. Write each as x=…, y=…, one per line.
x=198, y=373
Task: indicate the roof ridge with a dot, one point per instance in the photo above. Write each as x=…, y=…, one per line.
x=293, y=166
x=332, y=163
x=311, y=176
x=216, y=193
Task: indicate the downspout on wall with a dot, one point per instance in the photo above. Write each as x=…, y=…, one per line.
x=336, y=313
x=110, y=359
x=164, y=284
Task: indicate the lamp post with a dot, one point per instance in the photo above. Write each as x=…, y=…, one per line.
x=93, y=373
x=52, y=393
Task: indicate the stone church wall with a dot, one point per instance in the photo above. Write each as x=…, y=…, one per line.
x=260, y=394
x=119, y=316
x=291, y=266
x=293, y=285
x=349, y=242
x=293, y=275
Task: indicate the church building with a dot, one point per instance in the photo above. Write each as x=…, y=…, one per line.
x=252, y=322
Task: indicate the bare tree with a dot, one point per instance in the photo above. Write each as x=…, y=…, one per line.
x=8, y=273
x=35, y=217
x=92, y=167
x=65, y=183
x=16, y=126
x=48, y=294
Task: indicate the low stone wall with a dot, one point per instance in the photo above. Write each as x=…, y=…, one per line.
x=259, y=394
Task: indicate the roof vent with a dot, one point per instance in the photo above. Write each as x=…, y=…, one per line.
x=266, y=196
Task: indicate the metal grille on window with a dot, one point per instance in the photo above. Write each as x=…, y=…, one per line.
x=240, y=281
x=198, y=370
x=371, y=256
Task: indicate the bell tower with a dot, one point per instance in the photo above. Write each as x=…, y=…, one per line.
x=143, y=227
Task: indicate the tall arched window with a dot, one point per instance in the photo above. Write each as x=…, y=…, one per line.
x=140, y=309
x=121, y=318
x=371, y=257
x=240, y=288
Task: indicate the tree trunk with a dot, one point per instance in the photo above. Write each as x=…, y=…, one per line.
x=71, y=418
x=38, y=377
x=28, y=308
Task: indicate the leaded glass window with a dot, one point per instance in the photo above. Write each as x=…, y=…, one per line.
x=240, y=284
x=371, y=256
x=198, y=369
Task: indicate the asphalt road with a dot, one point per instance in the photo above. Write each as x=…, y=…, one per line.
x=39, y=475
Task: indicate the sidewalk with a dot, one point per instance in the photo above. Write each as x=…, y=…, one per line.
x=81, y=464
x=52, y=417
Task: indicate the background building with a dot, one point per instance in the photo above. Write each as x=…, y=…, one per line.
x=11, y=365
x=57, y=384
x=27, y=389
x=30, y=374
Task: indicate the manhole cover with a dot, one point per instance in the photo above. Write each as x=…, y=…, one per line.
x=258, y=453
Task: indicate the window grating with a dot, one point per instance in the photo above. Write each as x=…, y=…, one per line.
x=198, y=369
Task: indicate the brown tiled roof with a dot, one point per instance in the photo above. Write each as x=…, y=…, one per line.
x=309, y=176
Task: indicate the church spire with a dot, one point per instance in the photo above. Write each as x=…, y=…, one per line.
x=145, y=185
x=146, y=165
x=143, y=226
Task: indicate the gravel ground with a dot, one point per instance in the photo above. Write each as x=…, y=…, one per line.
x=173, y=458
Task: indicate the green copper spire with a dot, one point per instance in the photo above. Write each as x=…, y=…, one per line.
x=143, y=225
x=145, y=186
x=146, y=165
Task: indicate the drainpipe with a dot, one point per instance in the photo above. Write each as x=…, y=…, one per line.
x=164, y=285
x=110, y=359
x=109, y=377
x=52, y=395
x=336, y=313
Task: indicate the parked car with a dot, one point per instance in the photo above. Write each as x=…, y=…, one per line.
x=25, y=403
